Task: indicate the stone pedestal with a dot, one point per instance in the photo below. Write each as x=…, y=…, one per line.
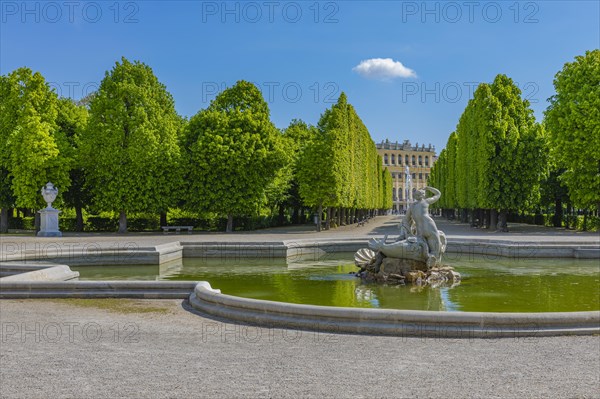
x=49, y=223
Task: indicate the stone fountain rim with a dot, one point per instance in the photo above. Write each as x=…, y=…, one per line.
x=391, y=321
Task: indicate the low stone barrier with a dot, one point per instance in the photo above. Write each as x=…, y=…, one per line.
x=392, y=322
x=126, y=253
x=97, y=289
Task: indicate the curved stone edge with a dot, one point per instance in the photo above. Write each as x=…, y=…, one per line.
x=392, y=322
x=97, y=289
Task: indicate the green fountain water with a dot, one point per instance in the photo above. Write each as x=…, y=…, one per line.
x=491, y=285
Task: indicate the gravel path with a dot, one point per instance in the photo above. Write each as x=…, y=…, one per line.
x=159, y=349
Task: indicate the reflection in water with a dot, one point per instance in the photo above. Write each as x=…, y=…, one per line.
x=502, y=284
x=366, y=294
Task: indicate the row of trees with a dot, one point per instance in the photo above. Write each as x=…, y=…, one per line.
x=499, y=159
x=340, y=168
x=125, y=149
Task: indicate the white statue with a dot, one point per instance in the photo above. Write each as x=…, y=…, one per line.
x=419, y=237
x=49, y=215
x=418, y=213
x=416, y=256
x=49, y=192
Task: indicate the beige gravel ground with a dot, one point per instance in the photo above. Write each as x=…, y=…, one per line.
x=159, y=349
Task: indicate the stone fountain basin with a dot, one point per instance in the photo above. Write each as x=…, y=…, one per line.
x=391, y=322
x=320, y=318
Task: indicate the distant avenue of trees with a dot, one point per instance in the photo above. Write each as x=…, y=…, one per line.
x=125, y=150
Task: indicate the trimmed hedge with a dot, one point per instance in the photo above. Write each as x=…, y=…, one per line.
x=24, y=223
x=105, y=224
x=97, y=223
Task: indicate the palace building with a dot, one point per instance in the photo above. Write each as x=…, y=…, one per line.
x=409, y=165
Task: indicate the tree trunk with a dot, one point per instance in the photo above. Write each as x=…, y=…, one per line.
x=4, y=220
x=558, y=213
x=319, y=216
x=122, y=223
x=567, y=226
x=464, y=218
x=295, y=215
x=473, y=218
x=585, y=217
x=493, y=219
x=328, y=220
x=229, y=228
x=78, y=219
x=502, y=221
x=163, y=219
x=281, y=215
x=37, y=222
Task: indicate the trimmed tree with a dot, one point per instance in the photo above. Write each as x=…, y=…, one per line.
x=235, y=153
x=573, y=122
x=30, y=141
x=72, y=121
x=129, y=149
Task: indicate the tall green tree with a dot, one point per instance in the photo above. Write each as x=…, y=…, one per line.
x=497, y=157
x=553, y=192
x=573, y=122
x=298, y=135
x=130, y=148
x=7, y=199
x=386, y=190
x=340, y=169
x=30, y=142
x=72, y=122
x=315, y=175
x=235, y=152
x=518, y=149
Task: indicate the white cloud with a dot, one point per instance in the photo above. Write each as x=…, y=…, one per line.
x=383, y=69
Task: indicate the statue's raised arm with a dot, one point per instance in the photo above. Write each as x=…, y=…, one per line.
x=436, y=195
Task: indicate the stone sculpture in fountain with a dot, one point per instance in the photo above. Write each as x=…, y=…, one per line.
x=415, y=256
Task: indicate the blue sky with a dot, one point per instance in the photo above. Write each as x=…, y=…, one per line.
x=303, y=54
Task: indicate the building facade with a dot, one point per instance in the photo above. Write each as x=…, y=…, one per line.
x=410, y=167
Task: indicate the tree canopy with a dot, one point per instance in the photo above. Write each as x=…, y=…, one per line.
x=130, y=147
x=30, y=142
x=573, y=123
x=235, y=153
x=497, y=156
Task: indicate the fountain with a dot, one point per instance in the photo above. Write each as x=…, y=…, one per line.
x=415, y=256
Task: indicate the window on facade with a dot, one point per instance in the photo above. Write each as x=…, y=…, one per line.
x=420, y=160
x=400, y=194
x=406, y=160
x=426, y=160
x=413, y=161
x=414, y=176
x=420, y=176
x=385, y=159
x=393, y=159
